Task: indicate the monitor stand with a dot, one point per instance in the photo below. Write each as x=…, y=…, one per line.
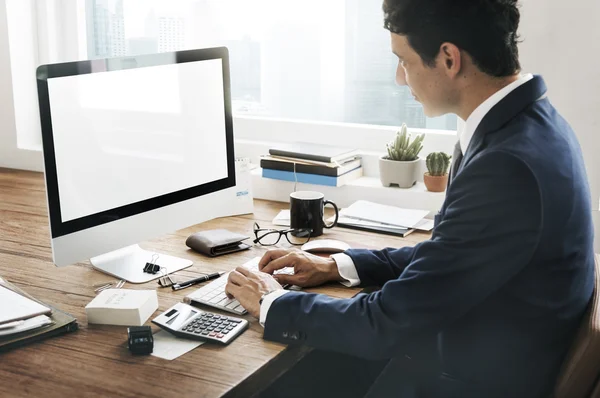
x=128, y=264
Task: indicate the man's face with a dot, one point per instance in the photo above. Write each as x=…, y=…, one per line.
x=427, y=84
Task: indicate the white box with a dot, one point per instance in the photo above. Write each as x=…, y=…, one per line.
x=122, y=307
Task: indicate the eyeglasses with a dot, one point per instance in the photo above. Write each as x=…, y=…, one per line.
x=270, y=237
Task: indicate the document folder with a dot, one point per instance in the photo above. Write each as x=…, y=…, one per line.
x=61, y=323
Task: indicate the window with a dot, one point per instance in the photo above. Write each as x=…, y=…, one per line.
x=311, y=60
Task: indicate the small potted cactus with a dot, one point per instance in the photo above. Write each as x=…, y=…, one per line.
x=436, y=178
x=401, y=161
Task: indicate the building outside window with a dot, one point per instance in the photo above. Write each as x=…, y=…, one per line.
x=319, y=61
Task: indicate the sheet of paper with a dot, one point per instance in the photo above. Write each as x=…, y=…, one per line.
x=369, y=211
x=283, y=218
x=425, y=225
x=168, y=346
x=15, y=307
x=23, y=326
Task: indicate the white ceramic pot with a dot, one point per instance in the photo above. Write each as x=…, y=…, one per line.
x=396, y=172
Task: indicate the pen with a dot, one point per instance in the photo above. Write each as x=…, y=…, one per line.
x=183, y=285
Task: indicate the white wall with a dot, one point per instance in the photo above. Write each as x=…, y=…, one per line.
x=21, y=81
x=561, y=41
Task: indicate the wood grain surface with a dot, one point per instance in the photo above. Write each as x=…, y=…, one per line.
x=95, y=361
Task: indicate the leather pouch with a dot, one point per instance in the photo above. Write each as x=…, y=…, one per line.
x=216, y=242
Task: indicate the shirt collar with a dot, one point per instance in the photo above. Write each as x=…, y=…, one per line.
x=479, y=113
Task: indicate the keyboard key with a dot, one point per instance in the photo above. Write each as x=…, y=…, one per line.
x=233, y=304
x=226, y=302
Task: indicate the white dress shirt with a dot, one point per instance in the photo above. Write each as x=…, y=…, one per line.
x=345, y=265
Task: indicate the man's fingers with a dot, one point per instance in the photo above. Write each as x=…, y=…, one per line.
x=243, y=271
x=279, y=263
x=231, y=290
x=285, y=279
x=269, y=256
x=237, y=278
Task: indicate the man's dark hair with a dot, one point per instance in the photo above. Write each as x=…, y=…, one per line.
x=485, y=29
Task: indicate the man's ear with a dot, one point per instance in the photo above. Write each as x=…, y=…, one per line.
x=450, y=57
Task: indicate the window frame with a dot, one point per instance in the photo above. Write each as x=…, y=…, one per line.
x=58, y=32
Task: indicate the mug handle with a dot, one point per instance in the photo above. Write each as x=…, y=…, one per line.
x=337, y=214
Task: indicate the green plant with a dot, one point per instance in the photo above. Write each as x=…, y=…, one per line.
x=438, y=163
x=401, y=149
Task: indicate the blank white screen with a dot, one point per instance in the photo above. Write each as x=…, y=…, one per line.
x=124, y=136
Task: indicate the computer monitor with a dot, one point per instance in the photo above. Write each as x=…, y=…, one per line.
x=134, y=148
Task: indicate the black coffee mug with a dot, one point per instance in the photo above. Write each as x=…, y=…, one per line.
x=307, y=209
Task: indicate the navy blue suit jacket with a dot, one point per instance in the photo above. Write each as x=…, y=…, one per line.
x=489, y=305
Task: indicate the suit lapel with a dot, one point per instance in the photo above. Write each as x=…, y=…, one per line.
x=510, y=106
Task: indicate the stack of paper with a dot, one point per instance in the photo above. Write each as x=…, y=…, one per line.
x=382, y=218
x=19, y=313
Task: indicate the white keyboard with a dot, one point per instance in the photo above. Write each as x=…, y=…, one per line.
x=213, y=294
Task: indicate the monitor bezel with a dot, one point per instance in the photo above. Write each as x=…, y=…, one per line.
x=58, y=227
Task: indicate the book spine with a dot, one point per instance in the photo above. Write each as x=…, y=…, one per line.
x=300, y=177
x=300, y=168
x=277, y=152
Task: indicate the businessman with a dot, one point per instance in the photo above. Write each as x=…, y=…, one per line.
x=489, y=305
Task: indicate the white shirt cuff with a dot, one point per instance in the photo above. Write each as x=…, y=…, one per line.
x=266, y=304
x=347, y=269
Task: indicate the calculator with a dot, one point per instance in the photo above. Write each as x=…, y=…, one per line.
x=186, y=321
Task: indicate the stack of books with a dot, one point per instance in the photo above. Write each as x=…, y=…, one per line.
x=312, y=164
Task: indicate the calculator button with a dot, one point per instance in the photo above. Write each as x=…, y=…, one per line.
x=226, y=331
x=212, y=334
x=205, y=333
x=197, y=331
x=216, y=316
x=220, y=336
x=234, y=321
x=210, y=328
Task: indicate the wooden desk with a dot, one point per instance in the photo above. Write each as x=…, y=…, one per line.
x=94, y=361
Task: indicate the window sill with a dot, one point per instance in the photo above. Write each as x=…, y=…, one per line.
x=364, y=188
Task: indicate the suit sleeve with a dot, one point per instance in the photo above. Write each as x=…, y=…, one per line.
x=376, y=267
x=487, y=233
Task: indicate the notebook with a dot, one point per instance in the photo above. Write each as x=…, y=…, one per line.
x=369, y=226
x=310, y=151
x=384, y=214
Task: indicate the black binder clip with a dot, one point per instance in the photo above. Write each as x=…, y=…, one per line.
x=151, y=267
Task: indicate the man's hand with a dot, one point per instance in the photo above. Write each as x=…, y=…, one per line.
x=309, y=270
x=248, y=287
